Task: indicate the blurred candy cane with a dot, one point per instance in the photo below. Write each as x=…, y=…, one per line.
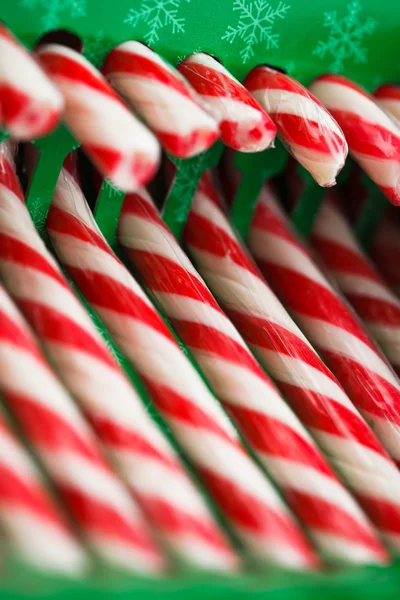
x=388, y=97
x=121, y=147
x=163, y=97
x=139, y=450
x=65, y=444
x=247, y=499
x=30, y=106
x=326, y=319
x=244, y=125
x=368, y=293
x=333, y=520
x=308, y=385
x=305, y=126
x=29, y=518
x=385, y=249
x=373, y=137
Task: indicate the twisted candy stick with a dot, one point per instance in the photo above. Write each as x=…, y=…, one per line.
x=30, y=106
x=326, y=320
x=140, y=451
x=333, y=520
x=244, y=125
x=368, y=293
x=388, y=97
x=93, y=494
x=373, y=137
x=385, y=249
x=249, y=502
x=28, y=515
x=121, y=147
x=308, y=385
x=305, y=126
x=163, y=97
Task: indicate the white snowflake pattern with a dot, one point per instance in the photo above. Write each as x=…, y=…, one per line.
x=38, y=215
x=188, y=175
x=157, y=15
x=96, y=48
x=346, y=35
x=256, y=23
x=52, y=10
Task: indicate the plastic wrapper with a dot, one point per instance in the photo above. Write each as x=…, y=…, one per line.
x=373, y=137
x=307, y=384
x=30, y=106
x=163, y=97
x=243, y=123
x=332, y=519
x=304, y=125
x=246, y=498
x=120, y=146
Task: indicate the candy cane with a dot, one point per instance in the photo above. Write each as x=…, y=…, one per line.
x=141, y=453
x=326, y=320
x=27, y=512
x=368, y=293
x=121, y=147
x=163, y=97
x=385, y=249
x=305, y=126
x=66, y=446
x=388, y=97
x=30, y=106
x=373, y=137
x=333, y=520
x=244, y=125
x=247, y=499
x=282, y=349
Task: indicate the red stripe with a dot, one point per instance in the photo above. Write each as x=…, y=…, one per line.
x=204, y=235
x=52, y=326
x=7, y=173
x=104, y=519
x=26, y=496
x=13, y=250
x=315, y=300
x=118, y=437
x=309, y=134
x=375, y=310
x=388, y=91
x=368, y=138
x=254, y=516
x=16, y=334
x=136, y=205
x=59, y=65
x=25, y=112
x=105, y=292
x=176, y=406
x=132, y=63
x=46, y=429
x=209, y=82
x=194, y=142
x=384, y=515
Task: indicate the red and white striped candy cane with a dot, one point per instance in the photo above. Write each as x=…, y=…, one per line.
x=30, y=106
x=308, y=385
x=373, y=137
x=163, y=97
x=333, y=520
x=123, y=149
x=388, y=97
x=244, y=125
x=93, y=494
x=326, y=319
x=139, y=450
x=247, y=499
x=385, y=249
x=27, y=512
x=369, y=295
x=305, y=126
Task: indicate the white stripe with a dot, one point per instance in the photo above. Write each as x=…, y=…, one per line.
x=204, y=207
x=15, y=458
x=331, y=225
x=383, y=171
x=201, y=58
x=323, y=166
x=343, y=551
x=351, y=283
x=392, y=107
x=388, y=337
x=386, y=431
x=204, y=555
x=226, y=108
x=115, y=551
x=275, y=551
x=340, y=97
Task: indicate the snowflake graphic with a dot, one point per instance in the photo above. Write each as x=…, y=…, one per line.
x=38, y=215
x=157, y=14
x=256, y=22
x=187, y=176
x=112, y=192
x=53, y=8
x=97, y=48
x=345, y=37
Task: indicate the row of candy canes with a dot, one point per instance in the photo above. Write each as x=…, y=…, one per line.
x=140, y=452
